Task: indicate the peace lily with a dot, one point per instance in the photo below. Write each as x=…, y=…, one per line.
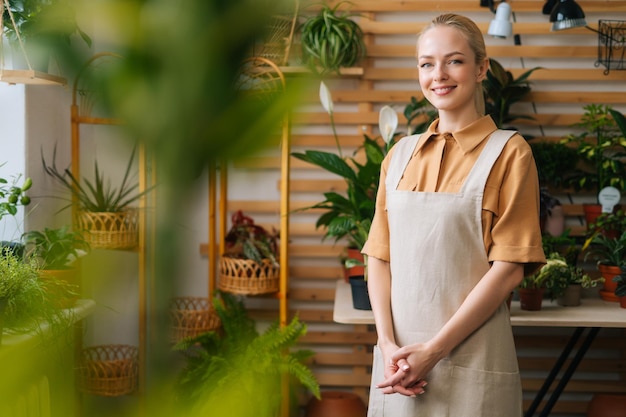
x=387, y=124
x=326, y=98
x=327, y=102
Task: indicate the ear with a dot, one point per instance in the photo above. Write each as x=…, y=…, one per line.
x=482, y=70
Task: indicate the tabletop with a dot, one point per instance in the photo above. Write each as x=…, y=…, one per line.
x=592, y=312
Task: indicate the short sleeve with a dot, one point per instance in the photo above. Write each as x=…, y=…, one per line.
x=512, y=208
x=377, y=244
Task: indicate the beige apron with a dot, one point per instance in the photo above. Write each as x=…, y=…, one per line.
x=437, y=257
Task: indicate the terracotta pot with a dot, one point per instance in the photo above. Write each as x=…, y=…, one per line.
x=608, y=290
x=355, y=270
x=622, y=302
x=607, y=405
x=531, y=298
x=592, y=211
x=336, y=404
x=571, y=297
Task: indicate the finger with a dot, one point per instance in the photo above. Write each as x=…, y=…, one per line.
x=409, y=392
x=392, y=380
x=403, y=365
x=401, y=353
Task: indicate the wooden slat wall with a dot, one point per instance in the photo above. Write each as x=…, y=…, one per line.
x=568, y=81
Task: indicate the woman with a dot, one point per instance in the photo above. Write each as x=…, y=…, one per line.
x=456, y=228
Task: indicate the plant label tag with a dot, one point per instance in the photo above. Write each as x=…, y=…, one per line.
x=608, y=198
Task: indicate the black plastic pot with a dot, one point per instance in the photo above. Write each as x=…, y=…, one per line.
x=360, y=296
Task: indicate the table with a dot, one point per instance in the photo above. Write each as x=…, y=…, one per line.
x=589, y=317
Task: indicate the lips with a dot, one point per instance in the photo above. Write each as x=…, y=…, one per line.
x=442, y=90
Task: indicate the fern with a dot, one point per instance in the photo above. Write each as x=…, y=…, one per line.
x=239, y=366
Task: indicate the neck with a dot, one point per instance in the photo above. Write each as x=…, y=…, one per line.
x=452, y=121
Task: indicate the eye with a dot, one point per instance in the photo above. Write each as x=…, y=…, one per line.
x=425, y=65
x=455, y=61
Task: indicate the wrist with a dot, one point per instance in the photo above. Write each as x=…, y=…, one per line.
x=437, y=349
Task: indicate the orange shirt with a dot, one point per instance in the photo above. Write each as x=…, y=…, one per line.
x=510, y=215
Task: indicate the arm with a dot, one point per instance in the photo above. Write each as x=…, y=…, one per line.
x=379, y=288
x=479, y=305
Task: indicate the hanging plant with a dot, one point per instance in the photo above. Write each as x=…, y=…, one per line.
x=331, y=40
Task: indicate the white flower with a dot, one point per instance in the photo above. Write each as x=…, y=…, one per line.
x=325, y=98
x=387, y=123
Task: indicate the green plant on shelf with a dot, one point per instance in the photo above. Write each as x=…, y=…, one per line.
x=97, y=195
x=55, y=248
x=331, y=40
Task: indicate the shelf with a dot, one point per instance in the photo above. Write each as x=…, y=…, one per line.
x=30, y=77
x=345, y=72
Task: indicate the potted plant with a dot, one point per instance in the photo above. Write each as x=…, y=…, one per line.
x=610, y=224
x=54, y=251
x=104, y=212
x=567, y=284
x=601, y=159
x=620, y=286
x=331, y=40
x=609, y=254
x=240, y=356
x=36, y=27
x=25, y=301
x=249, y=264
x=502, y=91
x=349, y=216
x=532, y=288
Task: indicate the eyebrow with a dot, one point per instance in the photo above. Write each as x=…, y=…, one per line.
x=445, y=56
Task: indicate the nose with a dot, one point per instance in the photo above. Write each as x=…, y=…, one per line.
x=440, y=73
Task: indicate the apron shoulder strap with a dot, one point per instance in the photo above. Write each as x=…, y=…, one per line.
x=477, y=178
x=403, y=150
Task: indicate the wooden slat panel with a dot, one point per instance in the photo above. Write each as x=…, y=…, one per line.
x=588, y=6
x=497, y=52
x=553, y=74
x=413, y=28
x=339, y=338
x=347, y=359
x=312, y=294
x=371, y=118
x=317, y=186
x=403, y=98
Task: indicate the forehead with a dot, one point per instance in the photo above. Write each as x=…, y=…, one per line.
x=440, y=40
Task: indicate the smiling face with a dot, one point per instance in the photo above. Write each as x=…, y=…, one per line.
x=448, y=72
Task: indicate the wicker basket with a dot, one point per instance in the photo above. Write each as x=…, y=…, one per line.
x=279, y=36
x=109, y=230
x=244, y=276
x=108, y=370
x=192, y=316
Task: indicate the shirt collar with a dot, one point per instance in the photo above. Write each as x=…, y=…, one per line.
x=467, y=138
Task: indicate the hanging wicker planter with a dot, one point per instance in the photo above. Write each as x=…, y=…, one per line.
x=108, y=370
x=117, y=230
x=244, y=276
x=192, y=316
x=279, y=36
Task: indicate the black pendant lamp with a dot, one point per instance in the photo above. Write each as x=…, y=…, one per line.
x=567, y=14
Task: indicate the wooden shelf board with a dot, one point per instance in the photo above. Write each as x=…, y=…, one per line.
x=30, y=77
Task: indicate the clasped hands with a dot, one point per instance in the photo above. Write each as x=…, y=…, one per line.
x=405, y=369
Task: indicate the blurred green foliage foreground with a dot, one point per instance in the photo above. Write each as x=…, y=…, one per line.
x=174, y=91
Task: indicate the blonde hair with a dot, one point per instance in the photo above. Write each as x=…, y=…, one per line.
x=476, y=42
